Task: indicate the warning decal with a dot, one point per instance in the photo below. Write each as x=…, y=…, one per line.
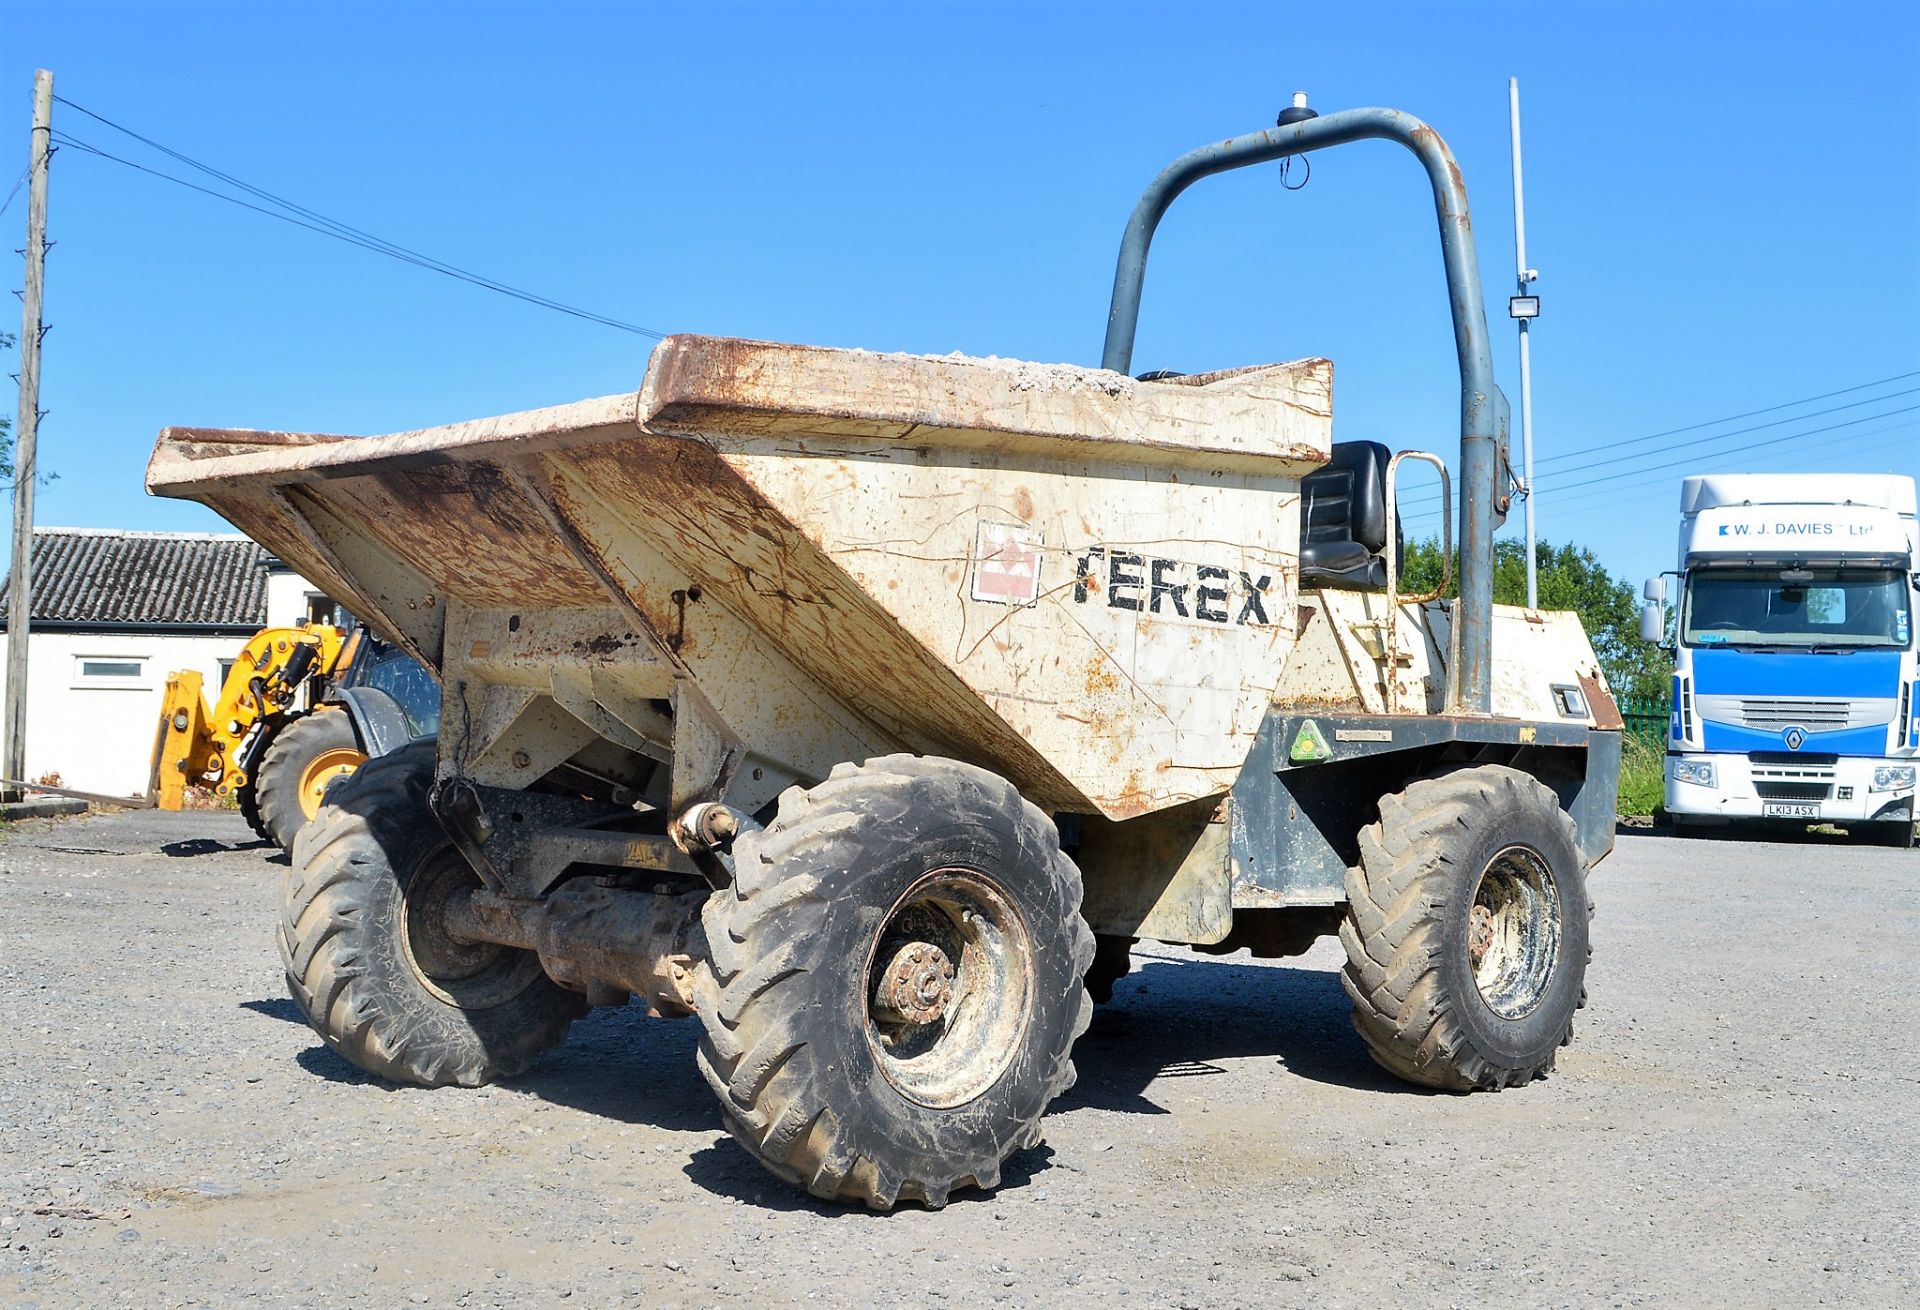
x=1006, y=564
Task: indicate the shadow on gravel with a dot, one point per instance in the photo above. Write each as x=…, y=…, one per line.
x=279, y=1007
x=1738, y=831
x=724, y=1169
x=1169, y=1019
x=209, y=846
x=320, y=1059
x=621, y=1066
x=1174, y=1019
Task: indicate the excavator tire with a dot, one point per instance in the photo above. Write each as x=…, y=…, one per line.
x=303, y=757
x=248, y=798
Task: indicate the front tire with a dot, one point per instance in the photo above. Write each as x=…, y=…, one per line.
x=369, y=962
x=296, y=767
x=893, y=985
x=1898, y=834
x=1466, y=930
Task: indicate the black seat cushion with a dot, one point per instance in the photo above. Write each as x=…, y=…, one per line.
x=1343, y=519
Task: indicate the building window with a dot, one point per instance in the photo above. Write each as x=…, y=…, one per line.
x=110, y=671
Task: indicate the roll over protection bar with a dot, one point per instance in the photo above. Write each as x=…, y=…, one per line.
x=1483, y=409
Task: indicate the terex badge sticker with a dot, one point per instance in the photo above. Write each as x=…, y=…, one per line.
x=1006, y=564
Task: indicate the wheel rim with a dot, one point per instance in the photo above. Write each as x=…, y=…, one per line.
x=947, y=989
x=1513, y=931
x=471, y=975
x=323, y=769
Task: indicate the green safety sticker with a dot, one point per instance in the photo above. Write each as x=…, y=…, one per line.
x=1309, y=745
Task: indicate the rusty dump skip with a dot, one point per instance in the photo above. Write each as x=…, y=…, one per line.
x=1083, y=582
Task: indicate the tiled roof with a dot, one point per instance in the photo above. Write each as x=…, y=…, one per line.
x=102, y=576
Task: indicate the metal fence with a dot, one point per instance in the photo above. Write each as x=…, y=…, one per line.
x=1647, y=720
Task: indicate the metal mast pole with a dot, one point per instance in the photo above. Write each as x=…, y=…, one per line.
x=1524, y=277
x=20, y=594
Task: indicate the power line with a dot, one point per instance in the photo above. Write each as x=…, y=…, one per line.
x=1594, y=497
x=1738, y=432
x=298, y=215
x=1415, y=527
x=1753, y=445
x=18, y=182
x=1710, y=423
x=1571, y=494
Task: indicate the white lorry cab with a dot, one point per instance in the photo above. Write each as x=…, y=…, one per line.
x=1794, y=686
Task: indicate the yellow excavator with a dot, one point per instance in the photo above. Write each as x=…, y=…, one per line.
x=263, y=742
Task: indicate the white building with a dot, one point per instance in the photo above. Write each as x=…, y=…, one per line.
x=113, y=614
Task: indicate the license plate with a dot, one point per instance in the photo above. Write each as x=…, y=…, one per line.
x=1782, y=811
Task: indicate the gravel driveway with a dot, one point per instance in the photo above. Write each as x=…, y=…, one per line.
x=1735, y=1124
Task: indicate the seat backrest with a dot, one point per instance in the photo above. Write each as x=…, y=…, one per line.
x=1346, y=499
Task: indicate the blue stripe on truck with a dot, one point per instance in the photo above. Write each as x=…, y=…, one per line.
x=1859, y=673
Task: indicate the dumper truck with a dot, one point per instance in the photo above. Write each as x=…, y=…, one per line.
x=866, y=706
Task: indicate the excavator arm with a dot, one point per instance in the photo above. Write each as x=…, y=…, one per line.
x=200, y=745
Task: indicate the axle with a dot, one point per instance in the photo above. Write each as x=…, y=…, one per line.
x=605, y=941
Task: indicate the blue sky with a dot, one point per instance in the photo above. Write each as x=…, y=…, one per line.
x=1723, y=200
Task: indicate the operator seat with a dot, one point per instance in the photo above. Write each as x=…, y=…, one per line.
x=1343, y=519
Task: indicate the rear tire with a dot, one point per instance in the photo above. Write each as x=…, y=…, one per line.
x=303, y=757
x=366, y=957
x=248, y=799
x=901, y=883
x=1466, y=930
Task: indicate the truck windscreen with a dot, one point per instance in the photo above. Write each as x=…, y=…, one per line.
x=1855, y=607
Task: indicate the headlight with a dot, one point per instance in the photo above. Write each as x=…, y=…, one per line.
x=1893, y=777
x=1698, y=772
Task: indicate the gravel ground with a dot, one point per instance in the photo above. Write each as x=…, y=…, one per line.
x=1735, y=1124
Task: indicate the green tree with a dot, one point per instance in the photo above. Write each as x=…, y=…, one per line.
x=1569, y=578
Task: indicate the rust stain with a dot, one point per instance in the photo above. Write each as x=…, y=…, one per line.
x=1101, y=678
x=1600, y=703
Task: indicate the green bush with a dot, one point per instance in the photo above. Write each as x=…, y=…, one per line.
x=1642, y=776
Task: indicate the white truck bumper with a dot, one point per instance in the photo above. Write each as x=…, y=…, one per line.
x=1809, y=792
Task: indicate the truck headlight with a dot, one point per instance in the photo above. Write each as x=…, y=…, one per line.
x=1892, y=777
x=1698, y=772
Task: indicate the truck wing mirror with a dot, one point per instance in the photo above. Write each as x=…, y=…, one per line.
x=1653, y=621
x=1655, y=590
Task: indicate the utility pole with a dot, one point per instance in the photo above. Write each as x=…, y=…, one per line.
x=20, y=596
x=1524, y=307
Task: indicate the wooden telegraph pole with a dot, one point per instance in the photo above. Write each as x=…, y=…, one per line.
x=20, y=596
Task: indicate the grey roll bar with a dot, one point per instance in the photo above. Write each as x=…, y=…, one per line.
x=1483, y=409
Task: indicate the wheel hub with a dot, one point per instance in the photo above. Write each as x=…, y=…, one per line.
x=916, y=985
x=323, y=769
x=948, y=988
x=439, y=958
x=1479, y=934
x=1513, y=931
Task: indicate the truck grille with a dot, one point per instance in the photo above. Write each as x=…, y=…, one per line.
x=1793, y=791
x=1813, y=715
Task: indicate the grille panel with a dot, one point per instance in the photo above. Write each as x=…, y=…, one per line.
x=1793, y=791
x=1813, y=715
x=1810, y=713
